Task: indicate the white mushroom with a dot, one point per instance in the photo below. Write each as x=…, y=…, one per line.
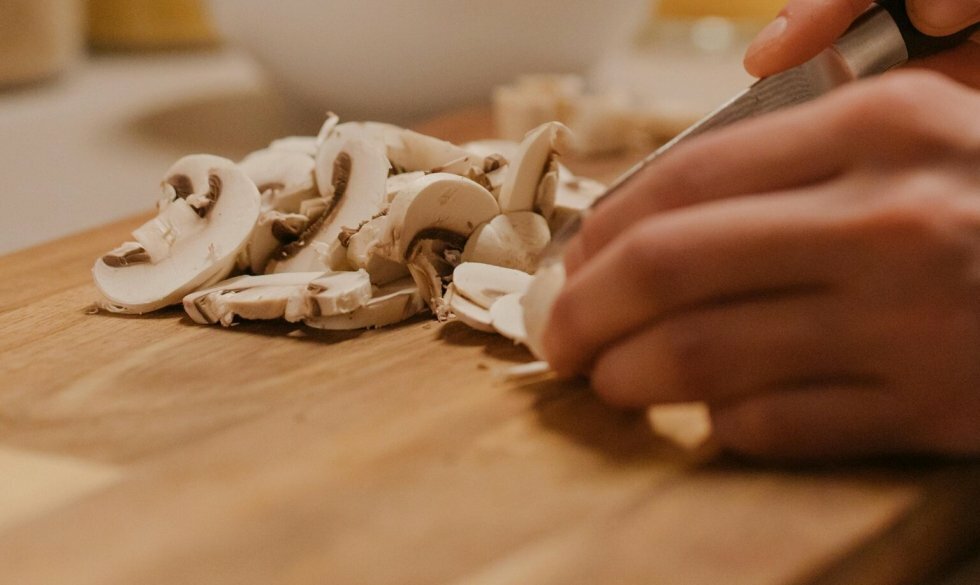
x=205, y=218
x=512, y=240
x=355, y=194
x=273, y=231
x=489, y=148
x=507, y=317
x=285, y=179
x=427, y=226
x=247, y=297
x=326, y=130
x=483, y=284
x=297, y=144
x=575, y=195
x=293, y=295
x=532, y=176
x=397, y=183
x=435, y=205
x=391, y=304
x=537, y=303
x=468, y=312
x=362, y=253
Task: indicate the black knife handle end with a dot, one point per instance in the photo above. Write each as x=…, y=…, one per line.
x=920, y=44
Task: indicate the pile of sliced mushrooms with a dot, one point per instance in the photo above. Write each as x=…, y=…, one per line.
x=363, y=226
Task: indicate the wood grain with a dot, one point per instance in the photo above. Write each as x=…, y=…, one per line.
x=267, y=453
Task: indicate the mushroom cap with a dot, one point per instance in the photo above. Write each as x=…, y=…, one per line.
x=512, y=240
x=538, y=302
x=300, y=144
x=483, y=284
x=440, y=202
x=189, y=250
x=534, y=161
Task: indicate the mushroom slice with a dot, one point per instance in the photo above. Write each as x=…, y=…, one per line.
x=507, y=317
x=391, y=304
x=575, y=195
x=297, y=144
x=285, y=179
x=356, y=194
x=431, y=265
x=490, y=148
x=411, y=151
x=512, y=240
x=468, y=312
x=326, y=130
x=484, y=284
x=205, y=218
x=397, y=183
x=371, y=135
x=247, y=297
x=362, y=253
x=273, y=231
x=537, y=303
x=439, y=203
x=335, y=293
x=532, y=176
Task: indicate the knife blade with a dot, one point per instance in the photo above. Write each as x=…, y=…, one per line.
x=879, y=40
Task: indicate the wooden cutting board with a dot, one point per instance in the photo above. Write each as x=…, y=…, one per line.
x=151, y=450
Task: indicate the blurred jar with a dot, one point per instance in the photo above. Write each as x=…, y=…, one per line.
x=38, y=38
x=710, y=26
x=149, y=24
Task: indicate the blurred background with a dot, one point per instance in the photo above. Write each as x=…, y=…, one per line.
x=99, y=97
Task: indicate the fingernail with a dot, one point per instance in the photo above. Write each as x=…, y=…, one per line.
x=942, y=17
x=767, y=36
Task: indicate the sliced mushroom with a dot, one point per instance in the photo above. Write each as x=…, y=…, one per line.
x=356, y=194
x=363, y=253
x=512, y=240
x=468, y=312
x=326, y=130
x=575, y=195
x=537, y=303
x=484, y=284
x=532, y=176
x=273, y=231
x=411, y=151
x=247, y=297
x=205, y=218
x=298, y=144
x=431, y=264
x=285, y=179
x=490, y=148
x=398, y=183
x=293, y=295
x=507, y=317
x=391, y=304
x=437, y=204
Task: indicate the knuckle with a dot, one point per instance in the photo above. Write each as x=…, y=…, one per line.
x=651, y=260
x=682, y=353
x=895, y=107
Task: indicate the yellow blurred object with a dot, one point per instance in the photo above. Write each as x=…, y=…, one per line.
x=38, y=38
x=149, y=24
x=734, y=9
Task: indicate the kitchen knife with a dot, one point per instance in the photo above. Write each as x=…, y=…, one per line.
x=880, y=39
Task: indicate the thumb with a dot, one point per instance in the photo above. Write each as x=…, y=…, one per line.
x=943, y=17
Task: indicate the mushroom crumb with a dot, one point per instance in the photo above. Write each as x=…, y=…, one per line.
x=364, y=226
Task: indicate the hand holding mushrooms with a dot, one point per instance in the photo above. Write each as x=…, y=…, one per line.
x=811, y=275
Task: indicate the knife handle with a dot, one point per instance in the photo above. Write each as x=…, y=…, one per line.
x=918, y=43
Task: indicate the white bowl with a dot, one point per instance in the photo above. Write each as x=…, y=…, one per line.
x=400, y=60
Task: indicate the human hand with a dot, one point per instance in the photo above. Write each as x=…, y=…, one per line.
x=806, y=27
x=812, y=275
